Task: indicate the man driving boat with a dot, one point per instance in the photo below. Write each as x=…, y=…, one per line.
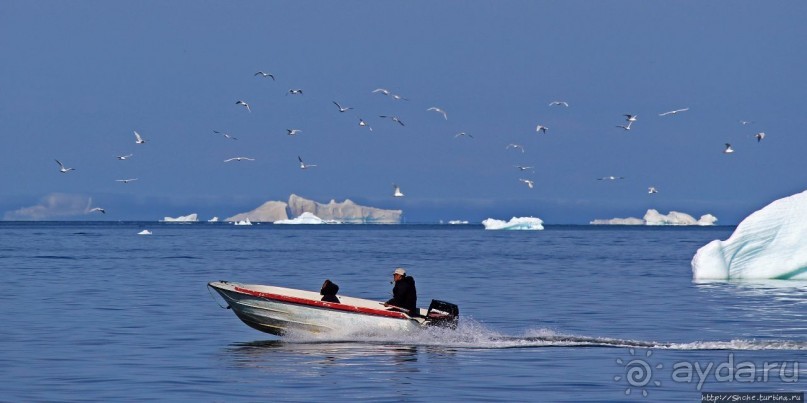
x=404, y=294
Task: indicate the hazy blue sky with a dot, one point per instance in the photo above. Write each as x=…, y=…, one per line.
x=77, y=78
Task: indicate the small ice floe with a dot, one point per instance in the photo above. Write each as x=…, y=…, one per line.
x=144, y=232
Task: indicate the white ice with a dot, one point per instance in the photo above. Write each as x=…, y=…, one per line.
x=306, y=218
x=771, y=243
x=515, y=223
x=188, y=218
x=653, y=217
x=618, y=221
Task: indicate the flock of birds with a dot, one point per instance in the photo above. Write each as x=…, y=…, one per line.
x=630, y=120
x=139, y=140
x=63, y=169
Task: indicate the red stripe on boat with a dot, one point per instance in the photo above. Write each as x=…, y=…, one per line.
x=322, y=304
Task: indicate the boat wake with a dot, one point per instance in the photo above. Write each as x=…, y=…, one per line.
x=473, y=335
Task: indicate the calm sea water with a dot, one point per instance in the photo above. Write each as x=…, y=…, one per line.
x=95, y=312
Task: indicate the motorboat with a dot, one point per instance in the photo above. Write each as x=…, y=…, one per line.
x=279, y=310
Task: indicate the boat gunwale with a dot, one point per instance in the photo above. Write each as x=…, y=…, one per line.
x=320, y=304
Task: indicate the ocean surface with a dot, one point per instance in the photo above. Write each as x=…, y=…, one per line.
x=95, y=312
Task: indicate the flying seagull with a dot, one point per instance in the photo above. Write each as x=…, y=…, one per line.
x=264, y=75
x=463, y=134
x=673, y=112
x=511, y=145
x=138, y=139
x=610, y=178
x=125, y=180
x=559, y=103
x=746, y=122
x=62, y=169
x=728, y=149
x=295, y=91
x=246, y=105
x=341, y=108
x=522, y=167
x=239, y=159
x=760, y=136
x=651, y=190
x=293, y=132
x=624, y=127
x=362, y=123
x=438, y=110
x=303, y=165
x=388, y=93
x=124, y=157
x=529, y=183
x=541, y=129
x=94, y=209
x=397, y=191
x=394, y=119
x=227, y=136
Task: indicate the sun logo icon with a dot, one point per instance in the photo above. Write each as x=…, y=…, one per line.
x=638, y=372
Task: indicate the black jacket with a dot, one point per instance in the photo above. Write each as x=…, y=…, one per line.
x=328, y=291
x=405, y=295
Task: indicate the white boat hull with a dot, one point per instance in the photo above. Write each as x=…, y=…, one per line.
x=278, y=311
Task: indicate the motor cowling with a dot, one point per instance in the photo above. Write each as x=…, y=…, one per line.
x=443, y=314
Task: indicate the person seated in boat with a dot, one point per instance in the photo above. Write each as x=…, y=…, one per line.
x=328, y=291
x=404, y=294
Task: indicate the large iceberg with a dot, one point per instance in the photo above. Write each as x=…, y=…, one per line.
x=267, y=212
x=771, y=243
x=653, y=217
x=515, y=223
x=347, y=212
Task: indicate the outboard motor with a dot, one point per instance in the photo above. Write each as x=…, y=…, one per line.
x=443, y=314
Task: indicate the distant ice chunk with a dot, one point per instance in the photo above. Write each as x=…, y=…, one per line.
x=214, y=219
x=243, y=222
x=768, y=244
x=458, y=222
x=707, y=219
x=144, y=232
x=653, y=217
x=307, y=218
x=515, y=223
x=187, y=218
x=619, y=221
